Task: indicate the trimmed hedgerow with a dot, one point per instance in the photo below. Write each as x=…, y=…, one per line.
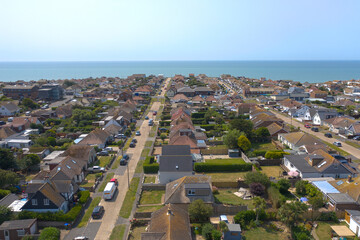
x=84, y=196
x=222, y=167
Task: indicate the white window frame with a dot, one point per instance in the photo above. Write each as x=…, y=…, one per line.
x=46, y=202
x=191, y=192
x=20, y=232
x=34, y=202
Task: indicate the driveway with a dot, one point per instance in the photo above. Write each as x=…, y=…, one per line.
x=346, y=147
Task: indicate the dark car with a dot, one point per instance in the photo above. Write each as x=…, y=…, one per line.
x=146, y=118
x=132, y=145
x=123, y=162
x=315, y=129
x=2, y=123
x=97, y=212
x=126, y=157
x=329, y=135
x=134, y=140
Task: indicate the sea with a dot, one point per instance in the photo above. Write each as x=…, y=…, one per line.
x=303, y=71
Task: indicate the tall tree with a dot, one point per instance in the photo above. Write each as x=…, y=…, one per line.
x=244, y=143
x=242, y=125
x=231, y=138
x=7, y=160
x=8, y=178
x=5, y=214
x=290, y=213
x=199, y=211
x=260, y=205
x=257, y=177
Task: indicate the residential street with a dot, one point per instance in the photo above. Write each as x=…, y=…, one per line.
x=346, y=147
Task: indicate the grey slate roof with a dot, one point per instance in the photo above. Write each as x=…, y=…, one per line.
x=176, y=164
x=354, y=212
x=8, y=199
x=17, y=224
x=173, y=150
x=300, y=163
x=234, y=227
x=339, y=198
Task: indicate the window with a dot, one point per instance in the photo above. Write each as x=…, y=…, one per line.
x=21, y=232
x=34, y=202
x=191, y=192
x=46, y=201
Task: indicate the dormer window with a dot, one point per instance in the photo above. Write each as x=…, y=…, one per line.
x=191, y=192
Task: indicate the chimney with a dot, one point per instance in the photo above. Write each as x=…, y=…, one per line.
x=169, y=212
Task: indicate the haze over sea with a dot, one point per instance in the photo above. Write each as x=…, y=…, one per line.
x=303, y=71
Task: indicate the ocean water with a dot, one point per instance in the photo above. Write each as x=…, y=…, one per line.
x=310, y=71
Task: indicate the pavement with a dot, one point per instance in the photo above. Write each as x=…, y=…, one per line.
x=346, y=147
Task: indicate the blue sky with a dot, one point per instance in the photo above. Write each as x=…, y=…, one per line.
x=123, y=30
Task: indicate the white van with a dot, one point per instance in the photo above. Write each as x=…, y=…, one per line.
x=109, y=191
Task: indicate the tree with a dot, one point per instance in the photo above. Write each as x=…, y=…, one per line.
x=51, y=141
x=216, y=235
x=290, y=213
x=28, y=161
x=7, y=160
x=163, y=136
x=301, y=187
x=284, y=185
x=257, y=177
x=199, y=211
x=257, y=189
x=260, y=205
x=8, y=178
x=5, y=214
x=244, y=218
x=350, y=110
x=316, y=202
x=244, y=143
x=49, y=233
x=262, y=134
x=28, y=103
x=223, y=227
x=207, y=231
x=231, y=138
x=242, y=125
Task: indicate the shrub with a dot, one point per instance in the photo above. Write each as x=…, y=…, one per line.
x=199, y=211
x=328, y=216
x=3, y=193
x=49, y=216
x=50, y=233
x=207, y=231
x=257, y=189
x=151, y=168
x=208, y=127
x=300, y=233
x=223, y=167
x=198, y=115
x=257, y=177
x=244, y=218
x=259, y=153
x=284, y=185
x=166, y=117
x=199, y=121
x=275, y=197
x=274, y=155
x=301, y=187
x=164, y=123
x=84, y=196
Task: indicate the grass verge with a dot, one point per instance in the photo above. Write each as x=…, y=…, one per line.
x=151, y=197
x=130, y=196
x=118, y=232
x=107, y=179
x=89, y=211
x=148, y=143
x=149, y=179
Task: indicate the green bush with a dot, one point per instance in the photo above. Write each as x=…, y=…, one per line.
x=164, y=123
x=275, y=197
x=222, y=167
x=300, y=233
x=199, y=121
x=50, y=233
x=244, y=218
x=328, y=217
x=198, y=115
x=151, y=168
x=259, y=153
x=4, y=192
x=49, y=216
x=166, y=117
x=208, y=127
x=274, y=154
x=84, y=196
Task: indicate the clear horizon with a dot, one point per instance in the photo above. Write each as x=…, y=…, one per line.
x=162, y=30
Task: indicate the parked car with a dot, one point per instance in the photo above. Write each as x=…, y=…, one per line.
x=98, y=212
x=127, y=157
x=123, y=162
x=103, y=153
x=314, y=129
x=132, y=145
x=329, y=135
x=2, y=122
x=96, y=169
x=151, y=122
x=338, y=144
x=121, y=135
x=109, y=149
x=154, y=113
x=134, y=140
x=115, y=181
x=28, y=113
x=307, y=126
x=137, y=133
x=357, y=138
x=81, y=238
x=146, y=118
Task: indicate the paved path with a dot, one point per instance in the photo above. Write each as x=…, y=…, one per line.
x=346, y=147
x=112, y=208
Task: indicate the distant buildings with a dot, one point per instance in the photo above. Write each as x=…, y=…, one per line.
x=51, y=92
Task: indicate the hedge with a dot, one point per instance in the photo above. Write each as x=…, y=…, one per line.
x=222, y=167
x=208, y=127
x=151, y=168
x=49, y=216
x=198, y=115
x=198, y=121
x=259, y=153
x=84, y=196
x=4, y=193
x=164, y=123
x=274, y=154
x=165, y=117
x=50, y=233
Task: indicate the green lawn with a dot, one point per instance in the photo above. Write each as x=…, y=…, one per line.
x=149, y=208
x=128, y=202
x=116, y=163
x=151, y=197
x=104, y=160
x=226, y=177
x=89, y=211
x=272, y=171
x=261, y=233
x=152, y=134
x=218, y=147
x=136, y=233
x=263, y=146
x=149, y=179
x=323, y=230
x=107, y=179
x=148, y=143
x=118, y=232
x=226, y=160
x=227, y=196
x=139, y=166
x=89, y=180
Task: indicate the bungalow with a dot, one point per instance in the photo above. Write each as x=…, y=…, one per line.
x=203, y=91
x=264, y=120
x=17, y=229
x=354, y=129
x=339, y=125
x=97, y=137
x=187, y=91
x=9, y=109
x=169, y=222
x=275, y=129
x=288, y=104
x=188, y=189
x=352, y=217
x=179, y=98
x=19, y=124
x=171, y=92
x=297, y=139
x=142, y=91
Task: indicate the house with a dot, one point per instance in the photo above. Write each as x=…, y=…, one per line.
x=142, y=91
x=188, y=189
x=297, y=139
x=264, y=120
x=339, y=125
x=187, y=91
x=275, y=129
x=19, y=124
x=9, y=109
x=125, y=95
x=298, y=94
x=299, y=112
x=171, y=92
x=318, y=115
x=250, y=91
x=318, y=164
x=342, y=201
x=81, y=152
x=233, y=233
x=349, y=186
x=21, y=91
x=352, y=217
x=171, y=222
x=17, y=229
x=6, y=132
x=180, y=98
x=244, y=108
x=97, y=137
x=203, y=91
x=288, y=104
x=175, y=162
x=64, y=111
x=19, y=143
